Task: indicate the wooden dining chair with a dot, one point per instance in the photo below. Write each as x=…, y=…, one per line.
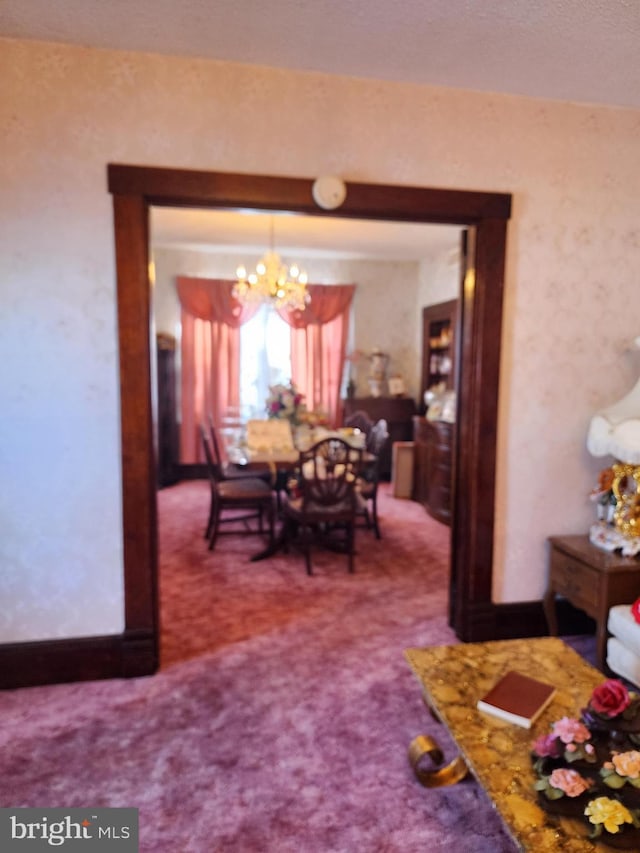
x=367, y=483
x=231, y=470
x=250, y=498
x=324, y=505
x=359, y=420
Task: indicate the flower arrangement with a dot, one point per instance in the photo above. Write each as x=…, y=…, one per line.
x=569, y=739
x=286, y=402
x=590, y=766
x=624, y=768
x=562, y=782
x=610, y=699
x=610, y=814
x=614, y=708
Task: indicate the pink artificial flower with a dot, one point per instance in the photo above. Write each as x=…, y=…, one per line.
x=635, y=609
x=610, y=698
x=571, y=731
x=547, y=746
x=569, y=782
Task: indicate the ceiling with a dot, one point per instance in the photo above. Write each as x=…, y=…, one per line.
x=575, y=50
x=307, y=236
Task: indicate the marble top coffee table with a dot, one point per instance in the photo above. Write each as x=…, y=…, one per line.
x=495, y=752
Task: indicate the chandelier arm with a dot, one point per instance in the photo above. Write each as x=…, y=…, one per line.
x=273, y=282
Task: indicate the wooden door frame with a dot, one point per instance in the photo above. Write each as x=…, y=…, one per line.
x=135, y=189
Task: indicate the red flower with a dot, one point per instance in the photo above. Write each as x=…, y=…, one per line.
x=635, y=609
x=610, y=698
x=547, y=746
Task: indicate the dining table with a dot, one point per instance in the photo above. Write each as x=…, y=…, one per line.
x=252, y=448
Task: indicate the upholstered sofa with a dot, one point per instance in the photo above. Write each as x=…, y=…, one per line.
x=623, y=646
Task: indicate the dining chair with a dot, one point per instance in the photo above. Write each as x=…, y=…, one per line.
x=359, y=420
x=231, y=470
x=323, y=503
x=367, y=483
x=250, y=498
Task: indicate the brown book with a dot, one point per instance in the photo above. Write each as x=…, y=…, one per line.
x=517, y=698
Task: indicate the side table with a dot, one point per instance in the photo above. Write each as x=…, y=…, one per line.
x=592, y=580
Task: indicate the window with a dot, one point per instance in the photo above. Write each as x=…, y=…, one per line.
x=265, y=358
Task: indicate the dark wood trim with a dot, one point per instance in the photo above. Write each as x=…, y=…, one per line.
x=192, y=471
x=523, y=619
x=179, y=187
x=77, y=659
x=134, y=189
x=139, y=508
x=481, y=304
x=475, y=458
x=487, y=621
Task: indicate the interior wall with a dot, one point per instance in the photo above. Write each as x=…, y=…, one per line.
x=439, y=278
x=571, y=282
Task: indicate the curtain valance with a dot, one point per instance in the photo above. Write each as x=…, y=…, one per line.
x=328, y=301
x=211, y=299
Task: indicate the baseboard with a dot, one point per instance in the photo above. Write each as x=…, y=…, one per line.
x=191, y=471
x=521, y=619
x=77, y=659
x=135, y=654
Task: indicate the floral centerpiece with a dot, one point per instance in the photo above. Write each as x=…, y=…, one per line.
x=285, y=402
x=589, y=767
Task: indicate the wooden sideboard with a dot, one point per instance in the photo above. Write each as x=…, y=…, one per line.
x=433, y=451
x=397, y=411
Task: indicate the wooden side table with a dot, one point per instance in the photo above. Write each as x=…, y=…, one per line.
x=592, y=580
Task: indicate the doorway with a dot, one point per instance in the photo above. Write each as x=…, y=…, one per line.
x=134, y=190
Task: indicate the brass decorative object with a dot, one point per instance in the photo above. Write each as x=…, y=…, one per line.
x=626, y=490
x=453, y=773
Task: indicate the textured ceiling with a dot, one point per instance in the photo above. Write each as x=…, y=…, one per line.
x=576, y=50
x=229, y=231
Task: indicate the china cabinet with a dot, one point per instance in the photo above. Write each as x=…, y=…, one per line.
x=438, y=346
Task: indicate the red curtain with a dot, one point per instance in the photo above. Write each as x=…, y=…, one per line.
x=210, y=353
x=318, y=346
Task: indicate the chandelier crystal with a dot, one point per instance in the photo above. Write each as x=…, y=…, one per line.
x=273, y=282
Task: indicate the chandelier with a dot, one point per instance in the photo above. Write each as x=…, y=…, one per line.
x=273, y=281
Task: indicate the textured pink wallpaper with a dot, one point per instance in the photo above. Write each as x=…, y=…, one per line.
x=571, y=295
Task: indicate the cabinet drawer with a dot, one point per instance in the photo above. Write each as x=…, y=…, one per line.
x=574, y=580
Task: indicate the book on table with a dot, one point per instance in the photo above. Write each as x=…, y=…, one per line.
x=517, y=698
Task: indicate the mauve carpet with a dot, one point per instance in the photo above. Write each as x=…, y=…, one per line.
x=283, y=709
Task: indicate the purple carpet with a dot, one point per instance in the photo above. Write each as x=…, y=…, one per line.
x=282, y=712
